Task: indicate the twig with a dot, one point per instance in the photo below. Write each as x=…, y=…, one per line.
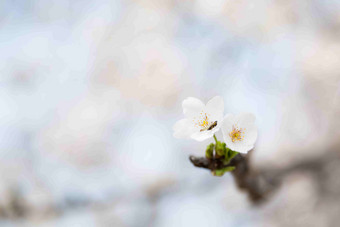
x=260, y=184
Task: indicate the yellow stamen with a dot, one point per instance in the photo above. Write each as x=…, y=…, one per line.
x=236, y=134
x=203, y=123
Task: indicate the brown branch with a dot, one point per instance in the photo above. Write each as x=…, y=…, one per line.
x=260, y=184
x=247, y=179
x=212, y=164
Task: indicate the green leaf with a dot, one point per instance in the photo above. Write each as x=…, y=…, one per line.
x=220, y=172
x=209, y=152
x=230, y=154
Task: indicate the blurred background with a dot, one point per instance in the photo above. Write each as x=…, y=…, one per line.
x=90, y=91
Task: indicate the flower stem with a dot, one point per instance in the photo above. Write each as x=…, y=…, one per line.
x=215, y=138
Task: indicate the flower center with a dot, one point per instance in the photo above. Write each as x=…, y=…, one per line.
x=237, y=134
x=204, y=123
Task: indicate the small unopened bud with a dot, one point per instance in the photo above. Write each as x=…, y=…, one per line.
x=209, y=152
x=220, y=148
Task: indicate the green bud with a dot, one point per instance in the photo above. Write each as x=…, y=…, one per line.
x=220, y=148
x=209, y=152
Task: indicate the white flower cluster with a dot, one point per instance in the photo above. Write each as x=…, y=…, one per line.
x=202, y=121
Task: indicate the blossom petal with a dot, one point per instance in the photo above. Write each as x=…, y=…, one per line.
x=228, y=120
x=200, y=136
x=250, y=135
x=226, y=126
x=183, y=129
x=247, y=121
x=192, y=107
x=240, y=147
x=215, y=108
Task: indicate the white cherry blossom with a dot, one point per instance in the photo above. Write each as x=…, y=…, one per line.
x=201, y=121
x=239, y=132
